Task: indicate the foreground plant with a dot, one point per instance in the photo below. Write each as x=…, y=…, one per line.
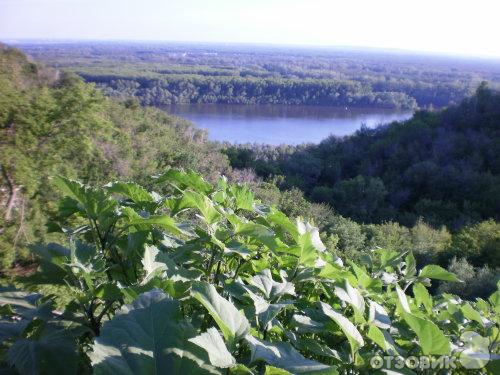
x=204, y=279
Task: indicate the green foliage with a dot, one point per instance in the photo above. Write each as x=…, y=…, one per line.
x=176, y=73
x=245, y=290
x=438, y=167
x=479, y=244
x=51, y=125
x=477, y=281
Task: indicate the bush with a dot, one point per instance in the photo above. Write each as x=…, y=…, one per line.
x=203, y=280
x=477, y=281
x=479, y=244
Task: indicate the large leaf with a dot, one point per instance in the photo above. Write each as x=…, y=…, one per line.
x=38, y=340
x=472, y=314
x=422, y=296
x=41, y=354
x=259, y=233
x=233, y=324
x=382, y=339
x=266, y=311
x=93, y=202
x=192, y=199
x=309, y=244
x=148, y=337
x=211, y=341
x=379, y=316
x=132, y=191
x=352, y=296
x=350, y=331
x=270, y=288
x=243, y=197
x=403, y=300
x=156, y=263
x=284, y=356
x=432, y=340
x=182, y=180
x=144, y=223
x=280, y=219
x=433, y=271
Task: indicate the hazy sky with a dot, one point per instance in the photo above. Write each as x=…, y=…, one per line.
x=451, y=26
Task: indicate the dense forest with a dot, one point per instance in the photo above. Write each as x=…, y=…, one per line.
x=443, y=166
x=164, y=74
x=307, y=259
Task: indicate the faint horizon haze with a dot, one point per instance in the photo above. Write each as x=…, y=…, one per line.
x=465, y=28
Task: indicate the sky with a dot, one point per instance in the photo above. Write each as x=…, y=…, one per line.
x=463, y=27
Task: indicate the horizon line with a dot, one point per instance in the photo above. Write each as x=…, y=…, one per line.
x=393, y=50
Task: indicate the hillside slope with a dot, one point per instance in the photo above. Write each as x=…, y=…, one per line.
x=54, y=123
x=442, y=166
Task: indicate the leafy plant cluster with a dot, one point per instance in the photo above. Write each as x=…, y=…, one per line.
x=201, y=278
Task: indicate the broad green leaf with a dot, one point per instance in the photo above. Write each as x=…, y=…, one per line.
x=233, y=324
x=52, y=349
x=183, y=180
x=149, y=263
x=364, y=280
x=266, y=311
x=382, y=339
x=379, y=316
x=432, y=340
x=243, y=197
x=192, y=199
x=389, y=257
x=157, y=263
x=422, y=296
x=259, y=233
x=108, y=292
x=270, y=288
x=240, y=249
x=305, y=228
x=351, y=296
x=411, y=265
x=211, y=341
x=176, y=289
x=433, y=271
x=162, y=221
x=314, y=346
x=271, y=370
x=403, y=301
x=308, y=244
x=148, y=337
x=131, y=190
x=283, y=356
x=472, y=314
x=93, y=202
x=350, y=331
x=305, y=324
x=334, y=272
x=279, y=218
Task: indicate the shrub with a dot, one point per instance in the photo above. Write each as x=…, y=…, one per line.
x=207, y=280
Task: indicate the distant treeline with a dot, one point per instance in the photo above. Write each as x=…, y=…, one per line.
x=235, y=90
x=167, y=74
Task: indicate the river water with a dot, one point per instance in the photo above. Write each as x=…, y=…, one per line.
x=279, y=124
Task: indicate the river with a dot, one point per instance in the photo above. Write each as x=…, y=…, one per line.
x=279, y=124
